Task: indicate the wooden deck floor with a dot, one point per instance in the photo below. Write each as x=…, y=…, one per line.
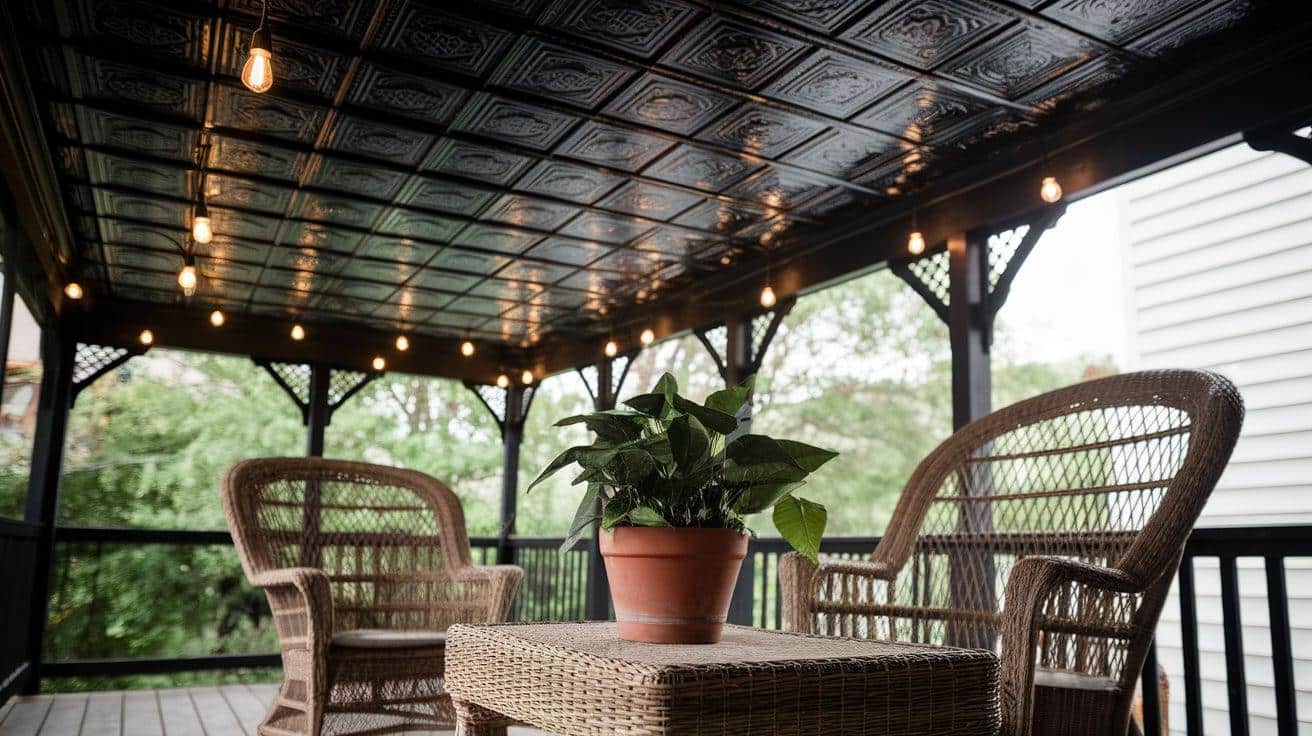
x=226, y=710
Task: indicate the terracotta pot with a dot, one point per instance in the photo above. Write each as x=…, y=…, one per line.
x=672, y=586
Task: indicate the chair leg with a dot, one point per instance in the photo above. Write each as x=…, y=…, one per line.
x=475, y=720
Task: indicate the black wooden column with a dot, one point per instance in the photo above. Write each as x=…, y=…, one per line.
x=597, y=603
x=512, y=434
x=43, y=482
x=318, y=413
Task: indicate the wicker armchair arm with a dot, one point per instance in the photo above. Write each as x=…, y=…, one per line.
x=501, y=584
x=302, y=605
x=801, y=582
x=1033, y=581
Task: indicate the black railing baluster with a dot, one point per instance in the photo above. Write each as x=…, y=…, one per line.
x=1282, y=656
x=1152, y=694
x=1193, y=686
x=1235, y=683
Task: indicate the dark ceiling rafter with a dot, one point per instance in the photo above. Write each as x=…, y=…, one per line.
x=546, y=310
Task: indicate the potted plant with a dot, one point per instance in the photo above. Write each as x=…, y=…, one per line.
x=672, y=483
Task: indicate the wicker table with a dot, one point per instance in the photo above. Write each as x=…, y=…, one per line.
x=578, y=678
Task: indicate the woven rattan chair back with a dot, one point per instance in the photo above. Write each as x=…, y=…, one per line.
x=388, y=539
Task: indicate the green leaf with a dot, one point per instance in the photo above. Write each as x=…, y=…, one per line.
x=763, y=473
x=730, y=400
x=715, y=419
x=647, y=516
x=758, y=498
x=652, y=405
x=615, y=511
x=666, y=385
x=611, y=426
x=807, y=457
x=563, y=459
x=630, y=466
x=689, y=443
x=802, y=523
x=755, y=449
x=583, y=519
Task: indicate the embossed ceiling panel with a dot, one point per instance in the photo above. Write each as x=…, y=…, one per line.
x=516, y=167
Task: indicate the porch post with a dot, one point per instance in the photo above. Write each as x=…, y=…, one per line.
x=43, y=483
x=740, y=364
x=597, y=604
x=971, y=572
x=512, y=434
x=318, y=412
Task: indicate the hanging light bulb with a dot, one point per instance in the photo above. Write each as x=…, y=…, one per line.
x=379, y=363
x=467, y=348
x=257, y=74
x=146, y=337
x=73, y=290
x=1050, y=190
x=503, y=381
x=188, y=278
x=768, y=298
x=298, y=332
x=647, y=337
x=201, y=231
x=402, y=343
x=526, y=377
x=611, y=349
x=217, y=319
x=915, y=243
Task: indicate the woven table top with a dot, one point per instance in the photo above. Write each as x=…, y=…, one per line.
x=580, y=678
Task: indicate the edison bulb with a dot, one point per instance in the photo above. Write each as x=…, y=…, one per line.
x=298, y=332
x=257, y=74
x=768, y=298
x=188, y=279
x=526, y=377
x=201, y=230
x=466, y=348
x=503, y=381
x=1050, y=190
x=611, y=349
x=216, y=318
x=402, y=343
x=73, y=290
x=379, y=363
x=916, y=243
x=647, y=337
x=146, y=337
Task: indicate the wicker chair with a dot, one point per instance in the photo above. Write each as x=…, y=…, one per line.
x=365, y=567
x=1057, y=525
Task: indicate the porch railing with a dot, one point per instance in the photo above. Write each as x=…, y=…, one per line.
x=555, y=588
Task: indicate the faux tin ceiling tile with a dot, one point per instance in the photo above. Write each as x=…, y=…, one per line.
x=307, y=260
x=144, y=88
x=236, y=249
x=363, y=179
x=447, y=196
x=361, y=137
x=505, y=293
x=819, y=15
x=541, y=273
x=730, y=51
x=514, y=122
x=323, y=237
x=776, y=188
x=482, y=307
x=835, y=84
x=923, y=33
x=335, y=17
x=496, y=238
x=445, y=281
x=762, y=131
x=139, y=207
x=417, y=224
x=249, y=112
x=134, y=134
x=1024, y=57
x=1117, y=21
x=246, y=157
x=606, y=228
x=918, y=111
x=706, y=170
x=845, y=153
x=458, y=44
x=409, y=95
x=400, y=250
x=478, y=162
x=563, y=75
x=613, y=147
x=722, y=217
x=164, y=179
x=640, y=28
x=471, y=261
x=231, y=191
x=517, y=209
x=669, y=105
x=152, y=28
x=569, y=251
x=384, y=271
x=649, y=200
x=341, y=210
x=422, y=298
x=568, y=181
x=1193, y=26
x=143, y=235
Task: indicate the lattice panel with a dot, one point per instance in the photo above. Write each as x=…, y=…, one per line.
x=760, y=331
x=933, y=272
x=589, y=375
x=494, y=399
x=1002, y=249
x=619, y=370
x=90, y=361
x=295, y=377
x=526, y=403
x=718, y=339
x=343, y=383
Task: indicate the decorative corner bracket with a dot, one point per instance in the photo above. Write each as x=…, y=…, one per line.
x=90, y=362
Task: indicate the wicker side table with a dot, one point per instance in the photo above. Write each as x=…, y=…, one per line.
x=577, y=679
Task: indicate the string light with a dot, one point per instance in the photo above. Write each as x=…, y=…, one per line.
x=1050, y=190
x=402, y=343
x=187, y=277
x=379, y=363
x=527, y=377
x=915, y=243
x=146, y=337
x=257, y=73
x=503, y=381
x=201, y=230
x=647, y=337
x=73, y=290
x=467, y=348
x=298, y=332
x=217, y=319
x=768, y=298
x=611, y=349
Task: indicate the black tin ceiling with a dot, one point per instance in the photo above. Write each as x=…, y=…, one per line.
x=516, y=168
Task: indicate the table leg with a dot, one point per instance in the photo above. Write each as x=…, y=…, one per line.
x=475, y=720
